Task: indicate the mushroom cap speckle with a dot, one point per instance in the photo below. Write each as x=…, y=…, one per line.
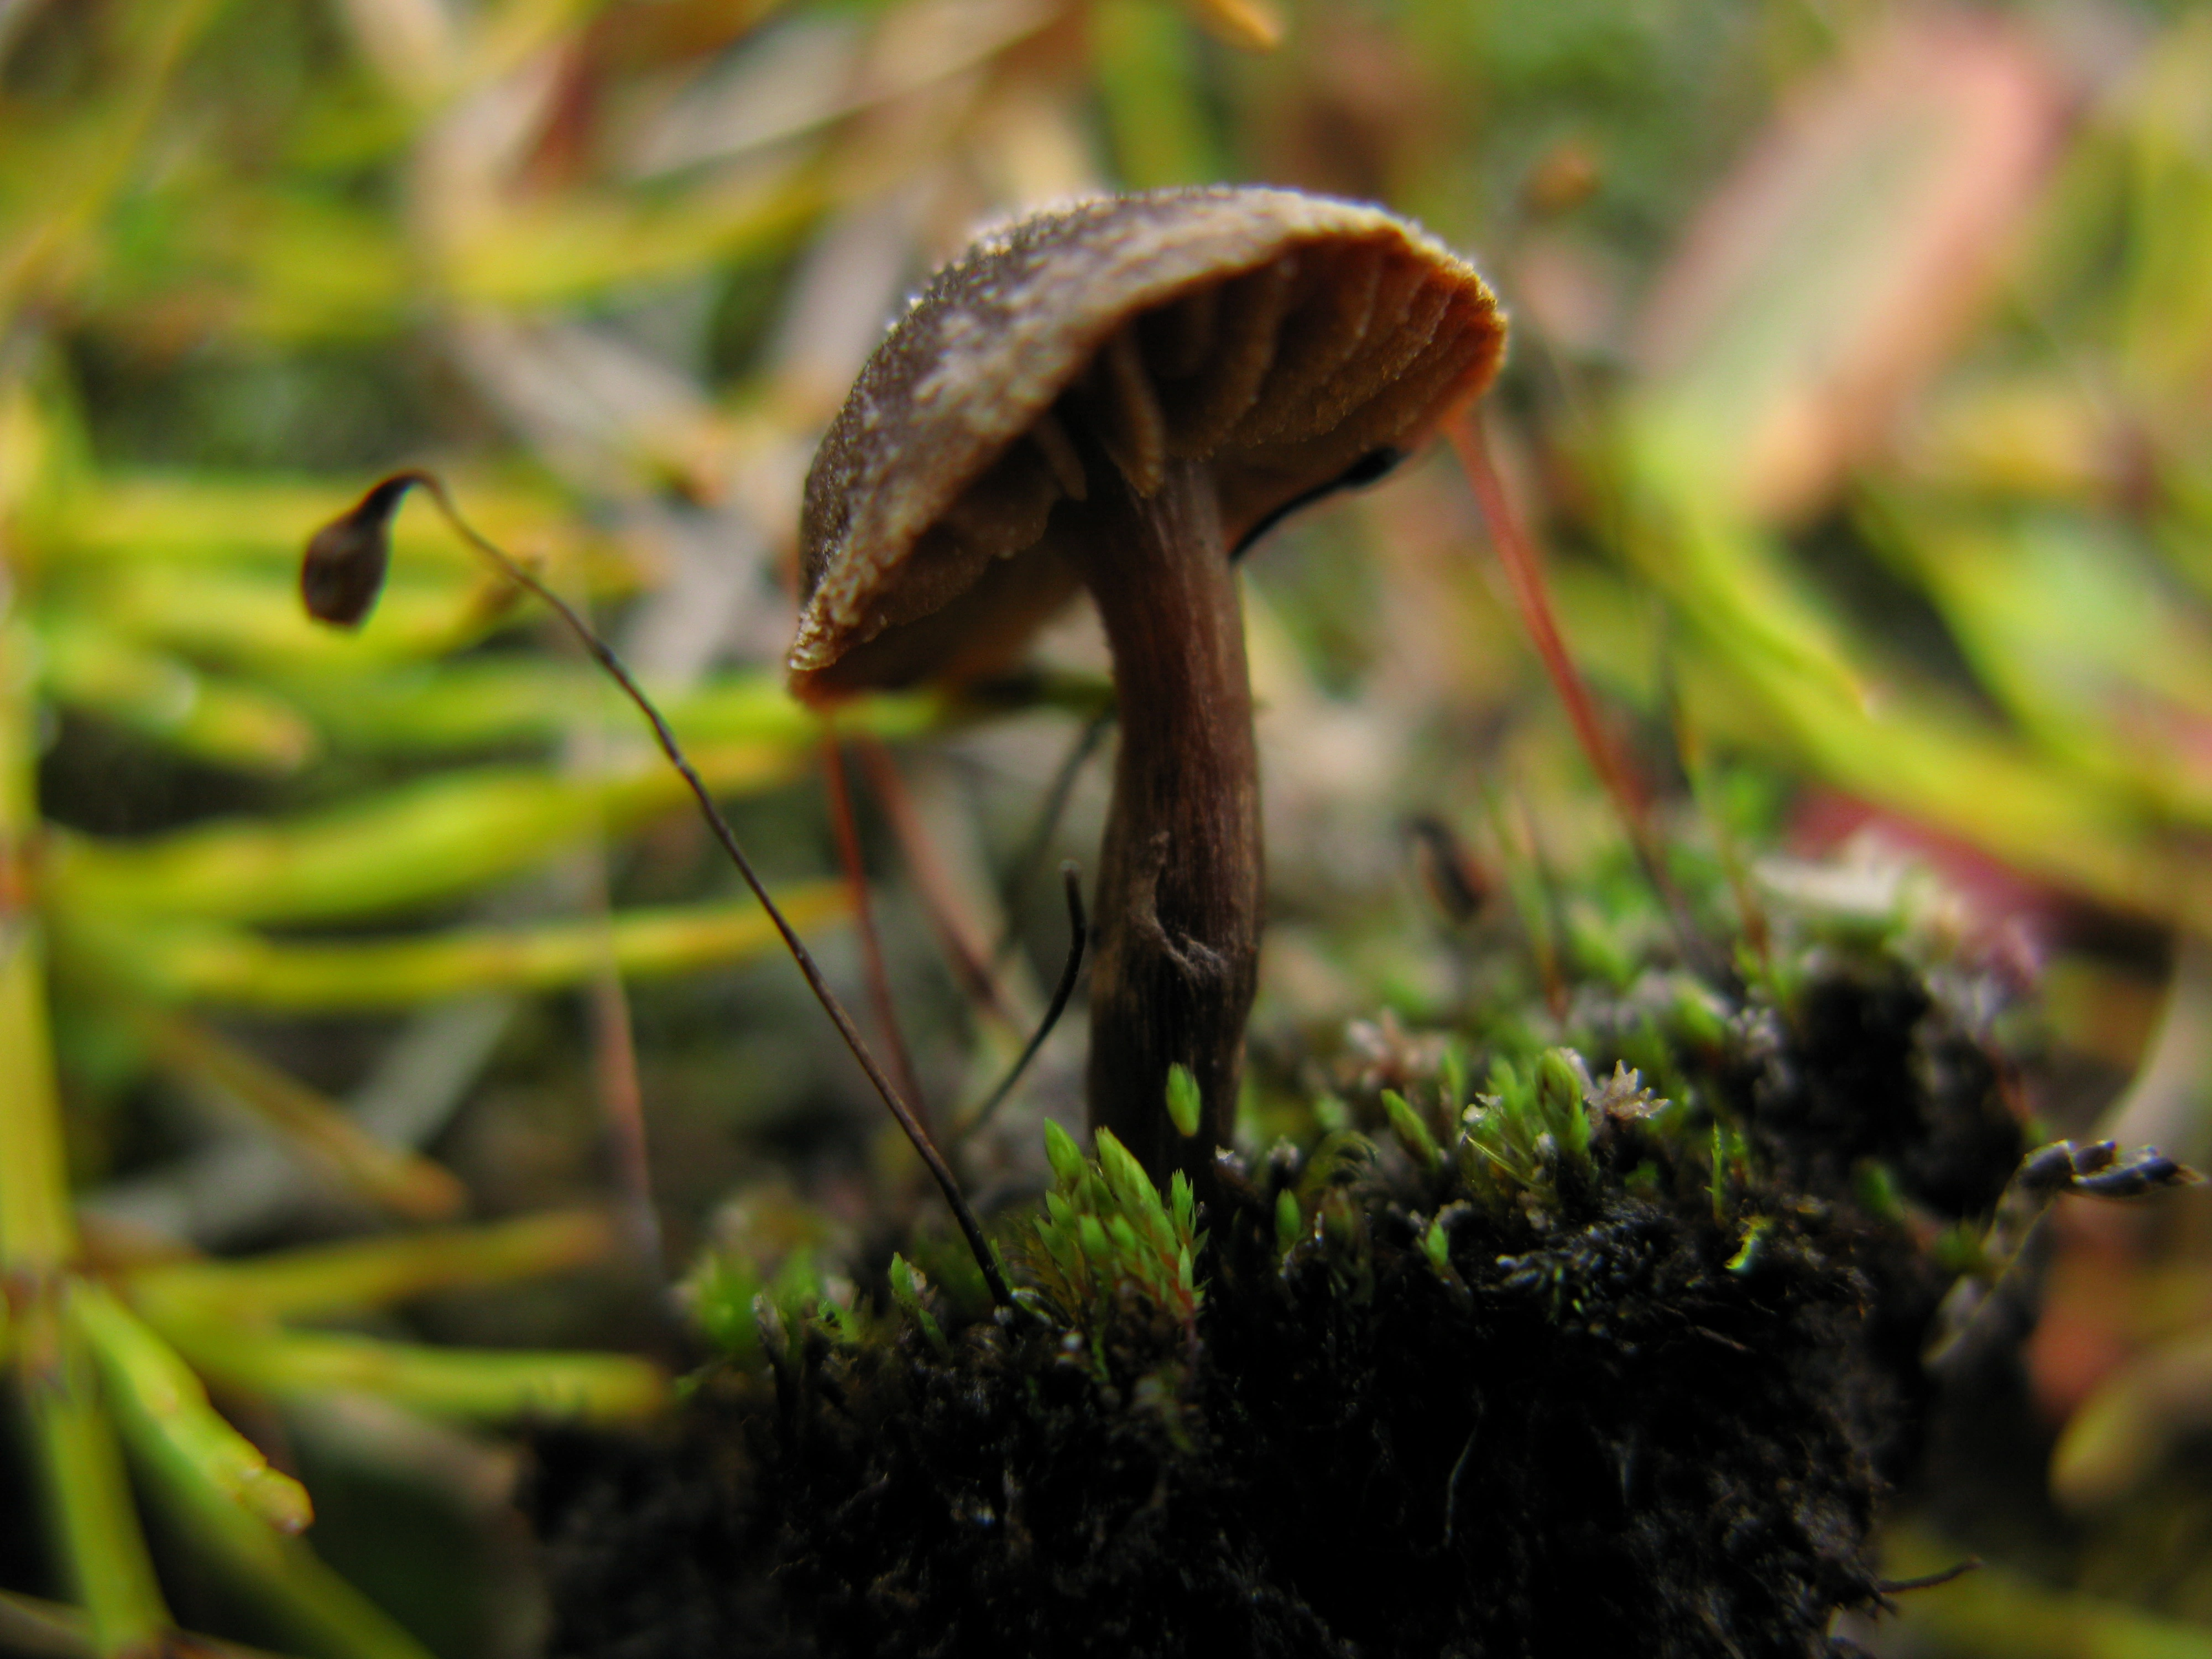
x=1286, y=341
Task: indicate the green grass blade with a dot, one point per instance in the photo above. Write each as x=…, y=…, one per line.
x=372, y=1272
x=158, y=1400
x=245, y=970
x=411, y=845
x=472, y=1384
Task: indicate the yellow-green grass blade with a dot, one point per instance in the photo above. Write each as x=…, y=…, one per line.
x=236, y=969
x=2065, y=621
x=324, y=1617
x=88, y=1497
x=479, y=701
x=88, y=1500
x=254, y=621
x=400, y=1179
x=259, y=521
x=168, y=699
x=411, y=845
x=157, y=1399
x=277, y=263
x=362, y=1274
x=542, y=250
x=473, y=1384
x=1910, y=750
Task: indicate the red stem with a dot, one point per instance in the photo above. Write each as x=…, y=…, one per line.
x=848, y=832
x=1524, y=574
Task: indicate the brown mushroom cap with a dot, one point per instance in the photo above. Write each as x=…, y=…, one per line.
x=1280, y=337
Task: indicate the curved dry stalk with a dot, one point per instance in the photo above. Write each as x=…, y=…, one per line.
x=339, y=580
x=1077, y=928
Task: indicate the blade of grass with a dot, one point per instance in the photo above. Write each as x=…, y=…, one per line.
x=29, y=1623
x=95, y=1521
x=255, y=521
x=168, y=698
x=326, y=1617
x=158, y=1399
x=241, y=969
x=407, y=845
x=472, y=1383
x=397, y=1178
x=477, y=702
x=373, y=1273
x=103, y=1550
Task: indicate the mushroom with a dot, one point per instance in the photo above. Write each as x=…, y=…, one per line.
x=1121, y=396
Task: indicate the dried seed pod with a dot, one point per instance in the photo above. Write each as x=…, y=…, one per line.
x=1121, y=396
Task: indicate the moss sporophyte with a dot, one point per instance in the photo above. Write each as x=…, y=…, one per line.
x=1557, y=1362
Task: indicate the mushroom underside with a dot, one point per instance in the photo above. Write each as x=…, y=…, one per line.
x=1281, y=380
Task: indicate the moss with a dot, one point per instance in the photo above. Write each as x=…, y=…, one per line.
x=1568, y=1368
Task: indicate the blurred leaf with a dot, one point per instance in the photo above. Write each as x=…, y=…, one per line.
x=2130, y=1425
x=481, y=701
x=2166, y=340
x=2089, y=643
x=40, y=1627
x=1253, y=24
x=261, y=521
x=253, y=621
x=102, y=1553
x=539, y=251
x=328, y=1619
x=1842, y=261
x=1148, y=75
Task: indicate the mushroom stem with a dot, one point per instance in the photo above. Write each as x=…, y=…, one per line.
x=1178, y=899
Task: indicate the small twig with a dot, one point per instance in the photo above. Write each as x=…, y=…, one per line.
x=1455, y=881
x=621, y=1099
x=957, y=930
x=1077, y=927
x=848, y=832
x=1023, y=871
x=613, y=1038
x=344, y=568
x=1928, y=1580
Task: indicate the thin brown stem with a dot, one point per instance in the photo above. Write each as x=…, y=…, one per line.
x=847, y=831
x=1524, y=574
x=1023, y=868
x=957, y=932
x=1072, y=883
